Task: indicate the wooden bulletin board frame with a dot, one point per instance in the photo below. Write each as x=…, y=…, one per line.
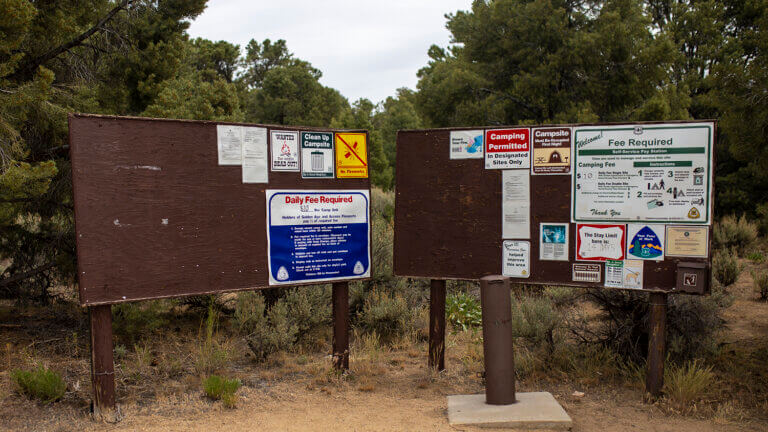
x=448, y=216
x=157, y=216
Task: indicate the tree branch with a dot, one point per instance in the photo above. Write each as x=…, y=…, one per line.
x=21, y=276
x=25, y=72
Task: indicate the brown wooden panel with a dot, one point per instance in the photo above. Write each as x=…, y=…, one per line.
x=156, y=216
x=448, y=217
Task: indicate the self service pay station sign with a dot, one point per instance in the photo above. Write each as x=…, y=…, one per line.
x=316, y=236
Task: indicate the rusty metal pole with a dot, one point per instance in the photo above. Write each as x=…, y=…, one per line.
x=437, y=324
x=498, y=340
x=654, y=379
x=102, y=364
x=341, y=326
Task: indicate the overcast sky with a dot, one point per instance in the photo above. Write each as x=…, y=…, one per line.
x=365, y=48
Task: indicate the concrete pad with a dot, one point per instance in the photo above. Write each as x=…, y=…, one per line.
x=537, y=410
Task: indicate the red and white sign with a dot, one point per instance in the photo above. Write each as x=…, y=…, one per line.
x=508, y=148
x=600, y=242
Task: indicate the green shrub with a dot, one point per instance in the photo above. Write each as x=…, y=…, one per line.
x=622, y=324
x=386, y=314
x=43, y=384
x=275, y=333
x=732, y=232
x=536, y=319
x=756, y=257
x=689, y=383
x=760, y=284
x=249, y=312
x=725, y=267
x=382, y=204
x=463, y=311
x=301, y=315
x=223, y=389
x=137, y=319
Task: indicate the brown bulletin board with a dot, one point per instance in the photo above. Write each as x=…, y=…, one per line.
x=448, y=218
x=157, y=216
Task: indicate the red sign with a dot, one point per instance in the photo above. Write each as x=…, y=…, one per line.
x=508, y=148
x=600, y=242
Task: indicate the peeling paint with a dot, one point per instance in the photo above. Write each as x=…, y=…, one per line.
x=117, y=223
x=137, y=167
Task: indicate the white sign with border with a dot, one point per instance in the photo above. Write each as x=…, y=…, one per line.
x=466, y=144
x=516, y=258
x=285, y=150
x=649, y=173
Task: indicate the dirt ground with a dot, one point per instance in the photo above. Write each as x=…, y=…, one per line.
x=387, y=390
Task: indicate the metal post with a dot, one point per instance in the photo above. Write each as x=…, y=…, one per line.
x=341, y=326
x=102, y=364
x=654, y=380
x=437, y=324
x=498, y=340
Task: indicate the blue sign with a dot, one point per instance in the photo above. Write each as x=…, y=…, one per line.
x=316, y=236
x=645, y=244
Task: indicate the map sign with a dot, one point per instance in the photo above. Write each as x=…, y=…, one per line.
x=315, y=236
x=643, y=173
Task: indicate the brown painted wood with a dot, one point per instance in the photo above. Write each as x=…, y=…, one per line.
x=654, y=379
x=341, y=325
x=448, y=217
x=498, y=340
x=102, y=363
x=156, y=216
x=437, y=324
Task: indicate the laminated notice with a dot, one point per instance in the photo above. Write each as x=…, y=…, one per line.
x=516, y=259
x=254, y=158
x=516, y=204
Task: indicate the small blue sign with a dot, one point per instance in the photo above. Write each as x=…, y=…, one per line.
x=646, y=244
x=316, y=236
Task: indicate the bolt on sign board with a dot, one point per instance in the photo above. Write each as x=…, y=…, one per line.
x=625, y=206
x=168, y=208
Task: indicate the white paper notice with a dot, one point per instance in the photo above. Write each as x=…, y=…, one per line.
x=516, y=258
x=466, y=144
x=229, y=140
x=516, y=204
x=254, y=155
x=285, y=150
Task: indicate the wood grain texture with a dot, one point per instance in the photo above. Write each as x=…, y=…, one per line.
x=448, y=218
x=156, y=216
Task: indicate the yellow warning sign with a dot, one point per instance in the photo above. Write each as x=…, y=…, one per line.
x=351, y=155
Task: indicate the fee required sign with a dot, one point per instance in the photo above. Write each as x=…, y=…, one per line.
x=644, y=173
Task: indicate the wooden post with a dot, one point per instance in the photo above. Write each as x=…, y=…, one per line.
x=341, y=326
x=437, y=324
x=654, y=380
x=102, y=364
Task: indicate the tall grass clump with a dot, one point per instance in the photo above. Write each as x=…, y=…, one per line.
x=760, y=284
x=732, y=232
x=725, y=266
x=211, y=354
x=223, y=389
x=689, y=383
x=41, y=383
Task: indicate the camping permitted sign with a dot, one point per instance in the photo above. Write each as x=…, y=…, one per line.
x=507, y=148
